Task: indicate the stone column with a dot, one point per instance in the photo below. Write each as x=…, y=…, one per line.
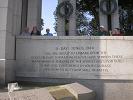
x=60, y=23
x=10, y=25
x=17, y=13
x=72, y=20
x=7, y=40
x=34, y=13
x=103, y=18
x=24, y=14
x=115, y=18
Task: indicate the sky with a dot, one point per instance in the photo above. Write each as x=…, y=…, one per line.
x=48, y=8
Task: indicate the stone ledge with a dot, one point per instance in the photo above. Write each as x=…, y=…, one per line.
x=75, y=37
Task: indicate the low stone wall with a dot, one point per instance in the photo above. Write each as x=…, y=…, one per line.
x=75, y=57
x=104, y=64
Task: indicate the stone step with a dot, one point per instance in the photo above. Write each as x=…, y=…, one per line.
x=62, y=94
x=80, y=92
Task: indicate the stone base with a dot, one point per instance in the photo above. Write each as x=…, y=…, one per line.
x=104, y=89
x=7, y=71
x=62, y=94
x=80, y=91
x=74, y=91
x=2, y=71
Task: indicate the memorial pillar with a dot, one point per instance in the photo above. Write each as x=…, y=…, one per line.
x=60, y=23
x=71, y=26
x=34, y=13
x=115, y=18
x=103, y=18
x=72, y=20
x=17, y=13
x=8, y=28
x=24, y=13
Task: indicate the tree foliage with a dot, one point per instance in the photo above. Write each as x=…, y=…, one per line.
x=42, y=23
x=125, y=13
x=126, y=16
x=85, y=7
x=88, y=16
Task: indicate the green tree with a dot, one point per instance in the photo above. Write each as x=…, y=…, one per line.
x=89, y=8
x=86, y=9
x=42, y=23
x=125, y=13
x=126, y=16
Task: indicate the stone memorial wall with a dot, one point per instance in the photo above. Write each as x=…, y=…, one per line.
x=75, y=57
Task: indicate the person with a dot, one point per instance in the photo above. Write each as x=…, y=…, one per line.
x=102, y=32
x=48, y=32
x=117, y=32
x=26, y=32
x=35, y=31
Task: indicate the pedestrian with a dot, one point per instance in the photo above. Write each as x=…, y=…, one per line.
x=117, y=32
x=102, y=32
x=48, y=32
x=26, y=32
x=35, y=31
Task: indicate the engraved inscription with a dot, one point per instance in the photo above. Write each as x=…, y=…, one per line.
x=76, y=59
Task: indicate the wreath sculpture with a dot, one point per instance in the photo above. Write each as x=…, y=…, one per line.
x=114, y=3
x=62, y=5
